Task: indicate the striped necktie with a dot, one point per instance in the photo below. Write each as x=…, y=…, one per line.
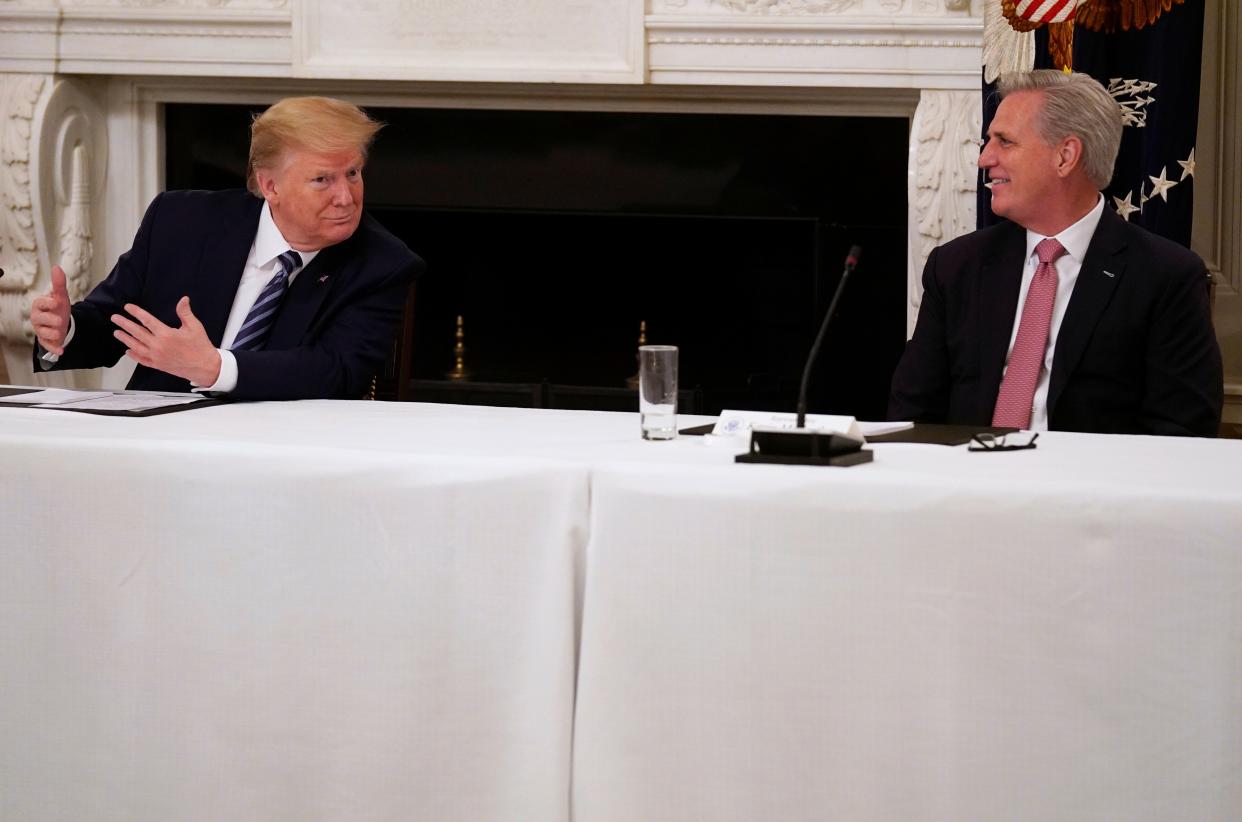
x=1017, y=391
x=262, y=316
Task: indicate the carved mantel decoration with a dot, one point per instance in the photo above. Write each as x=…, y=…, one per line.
x=81, y=82
x=54, y=157
x=944, y=139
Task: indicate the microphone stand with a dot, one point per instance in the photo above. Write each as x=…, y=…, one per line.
x=800, y=446
x=851, y=261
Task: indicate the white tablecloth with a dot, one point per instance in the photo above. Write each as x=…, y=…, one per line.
x=369, y=611
x=284, y=611
x=940, y=635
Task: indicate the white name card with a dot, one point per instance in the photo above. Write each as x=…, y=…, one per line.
x=739, y=423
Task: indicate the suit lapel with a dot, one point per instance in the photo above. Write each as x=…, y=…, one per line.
x=307, y=293
x=220, y=271
x=1102, y=269
x=999, y=284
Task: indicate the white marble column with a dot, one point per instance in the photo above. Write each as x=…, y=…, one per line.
x=944, y=150
x=52, y=173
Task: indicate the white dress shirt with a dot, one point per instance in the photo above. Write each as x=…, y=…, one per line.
x=1075, y=240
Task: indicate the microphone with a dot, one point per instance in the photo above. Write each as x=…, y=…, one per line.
x=799, y=446
x=851, y=260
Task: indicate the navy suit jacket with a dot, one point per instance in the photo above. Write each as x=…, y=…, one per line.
x=331, y=333
x=1136, y=352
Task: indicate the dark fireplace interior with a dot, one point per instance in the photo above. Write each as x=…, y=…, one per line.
x=554, y=233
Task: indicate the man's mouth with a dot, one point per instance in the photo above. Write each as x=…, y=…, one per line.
x=996, y=181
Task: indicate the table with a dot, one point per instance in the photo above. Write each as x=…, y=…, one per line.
x=940, y=635
x=405, y=611
x=286, y=611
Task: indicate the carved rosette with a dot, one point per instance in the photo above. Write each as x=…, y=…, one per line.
x=52, y=163
x=944, y=152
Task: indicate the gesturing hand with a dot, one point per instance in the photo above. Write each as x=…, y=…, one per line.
x=49, y=314
x=184, y=352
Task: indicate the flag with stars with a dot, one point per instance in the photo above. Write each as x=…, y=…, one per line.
x=1153, y=72
x=1147, y=53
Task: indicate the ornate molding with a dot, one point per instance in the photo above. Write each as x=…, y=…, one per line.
x=19, y=95
x=266, y=5
x=54, y=158
x=148, y=36
x=792, y=8
x=112, y=29
x=846, y=50
x=76, y=248
x=789, y=6
x=810, y=40
x=944, y=150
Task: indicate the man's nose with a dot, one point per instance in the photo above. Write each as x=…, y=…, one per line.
x=341, y=195
x=986, y=158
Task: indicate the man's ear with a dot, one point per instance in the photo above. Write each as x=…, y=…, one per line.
x=1069, y=155
x=267, y=185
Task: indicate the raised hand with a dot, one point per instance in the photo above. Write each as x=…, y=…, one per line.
x=49, y=314
x=184, y=352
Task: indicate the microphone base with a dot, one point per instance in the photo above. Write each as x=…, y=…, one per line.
x=801, y=447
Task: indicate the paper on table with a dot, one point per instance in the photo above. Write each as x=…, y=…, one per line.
x=54, y=396
x=875, y=429
x=124, y=402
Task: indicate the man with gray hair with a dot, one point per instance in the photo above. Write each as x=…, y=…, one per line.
x=1064, y=317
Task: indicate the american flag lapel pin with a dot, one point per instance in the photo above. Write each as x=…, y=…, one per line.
x=323, y=279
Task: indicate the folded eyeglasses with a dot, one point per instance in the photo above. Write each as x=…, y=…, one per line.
x=1017, y=441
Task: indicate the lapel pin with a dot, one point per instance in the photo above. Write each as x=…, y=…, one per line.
x=324, y=278
x=1107, y=273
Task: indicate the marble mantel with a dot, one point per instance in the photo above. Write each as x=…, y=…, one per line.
x=82, y=83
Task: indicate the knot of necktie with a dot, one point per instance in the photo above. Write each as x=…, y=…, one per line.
x=291, y=261
x=1048, y=250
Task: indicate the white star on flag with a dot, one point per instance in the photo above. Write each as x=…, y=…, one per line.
x=1161, y=185
x=1126, y=206
x=1188, y=165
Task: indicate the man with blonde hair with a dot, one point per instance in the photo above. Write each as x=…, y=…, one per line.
x=288, y=291
x=1066, y=317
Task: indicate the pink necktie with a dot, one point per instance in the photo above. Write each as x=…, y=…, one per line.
x=1017, y=391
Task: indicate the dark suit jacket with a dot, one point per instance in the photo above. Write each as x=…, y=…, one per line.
x=1135, y=354
x=331, y=333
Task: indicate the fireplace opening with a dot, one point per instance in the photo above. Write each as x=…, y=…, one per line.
x=553, y=234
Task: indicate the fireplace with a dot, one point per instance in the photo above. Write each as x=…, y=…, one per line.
x=761, y=83
x=85, y=86
x=555, y=233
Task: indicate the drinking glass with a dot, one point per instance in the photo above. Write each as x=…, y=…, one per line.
x=657, y=391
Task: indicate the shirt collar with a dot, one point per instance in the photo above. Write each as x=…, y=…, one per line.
x=269, y=243
x=1074, y=239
